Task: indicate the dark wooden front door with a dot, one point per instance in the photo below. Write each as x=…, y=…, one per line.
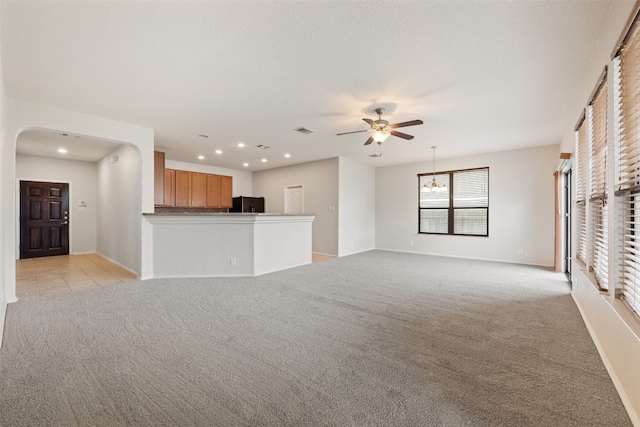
x=44, y=219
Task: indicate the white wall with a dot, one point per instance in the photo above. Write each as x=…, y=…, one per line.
x=118, y=236
x=82, y=179
x=242, y=180
x=3, y=205
x=320, y=182
x=22, y=116
x=621, y=13
x=521, y=208
x=356, y=207
x=616, y=333
x=614, y=330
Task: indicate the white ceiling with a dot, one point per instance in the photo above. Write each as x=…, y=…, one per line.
x=47, y=143
x=483, y=75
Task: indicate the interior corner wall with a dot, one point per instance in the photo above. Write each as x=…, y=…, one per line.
x=118, y=218
x=320, y=182
x=82, y=179
x=521, y=208
x=3, y=205
x=357, y=202
x=242, y=180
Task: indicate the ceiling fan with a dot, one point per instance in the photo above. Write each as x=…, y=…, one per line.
x=381, y=129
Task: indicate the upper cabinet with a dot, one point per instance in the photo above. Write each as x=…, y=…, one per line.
x=226, y=191
x=169, y=187
x=187, y=189
x=198, y=189
x=158, y=178
x=183, y=189
x=213, y=191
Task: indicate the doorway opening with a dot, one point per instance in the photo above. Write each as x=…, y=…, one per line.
x=567, y=223
x=294, y=199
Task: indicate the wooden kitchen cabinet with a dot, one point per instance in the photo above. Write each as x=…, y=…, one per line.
x=226, y=191
x=158, y=178
x=186, y=189
x=169, y=187
x=213, y=191
x=183, y=189
x=198, y=189
x=219, y=191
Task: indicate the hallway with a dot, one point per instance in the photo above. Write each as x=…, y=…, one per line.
x=38, y=277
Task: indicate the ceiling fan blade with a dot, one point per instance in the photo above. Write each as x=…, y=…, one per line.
x=355, y=131
x=401, y=135
x=371, y=122
x=409, y=123
x=369, y=141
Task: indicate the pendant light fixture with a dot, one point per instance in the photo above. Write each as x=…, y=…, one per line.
x=433, y=187
x=380, y=135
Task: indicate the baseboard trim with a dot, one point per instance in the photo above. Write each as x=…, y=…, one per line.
x=3, y=314
x=614, y=337
x=119, y=264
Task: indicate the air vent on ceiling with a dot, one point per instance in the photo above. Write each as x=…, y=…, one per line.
x=264, y=147
x=303, y=130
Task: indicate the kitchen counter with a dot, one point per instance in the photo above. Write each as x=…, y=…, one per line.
x=187, y=213
x=205, y=244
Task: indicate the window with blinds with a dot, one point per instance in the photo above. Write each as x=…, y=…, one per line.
x=627, y=78
x=462, y=210
x=580, y=213
x=598, y=188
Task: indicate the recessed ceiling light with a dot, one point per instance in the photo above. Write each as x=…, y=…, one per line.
x=240, y=144
x=218, y=151
x=264, y=160
x=287, y=155
x=62, y=150
x=245, y=164
x=201, y=157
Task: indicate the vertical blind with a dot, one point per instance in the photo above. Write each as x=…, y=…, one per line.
x=628, y=166
x=598, y=187
x=581, y=192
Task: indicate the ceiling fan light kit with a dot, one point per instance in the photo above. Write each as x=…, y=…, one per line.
x=379, y=136
x=381, y=129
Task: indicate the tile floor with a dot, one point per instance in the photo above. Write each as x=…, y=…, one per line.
x=319, y=257
x=38, y=277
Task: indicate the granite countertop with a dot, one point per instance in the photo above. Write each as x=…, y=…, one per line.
x=187, y=213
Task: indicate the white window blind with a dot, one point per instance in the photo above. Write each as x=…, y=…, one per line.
x=628, y=166
x=598, y=187
x=581, y=192
x=461, y=210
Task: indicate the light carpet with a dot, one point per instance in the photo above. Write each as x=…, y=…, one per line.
x=373, y=339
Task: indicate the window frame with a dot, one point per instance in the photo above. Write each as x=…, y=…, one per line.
x=451, y=209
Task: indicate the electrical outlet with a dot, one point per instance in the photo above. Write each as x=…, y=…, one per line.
x=233, y=261
x=520, y=251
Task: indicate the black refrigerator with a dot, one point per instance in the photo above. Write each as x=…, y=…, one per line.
x=248, y=204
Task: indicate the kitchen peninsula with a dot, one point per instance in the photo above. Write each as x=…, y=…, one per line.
x=196, y=244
